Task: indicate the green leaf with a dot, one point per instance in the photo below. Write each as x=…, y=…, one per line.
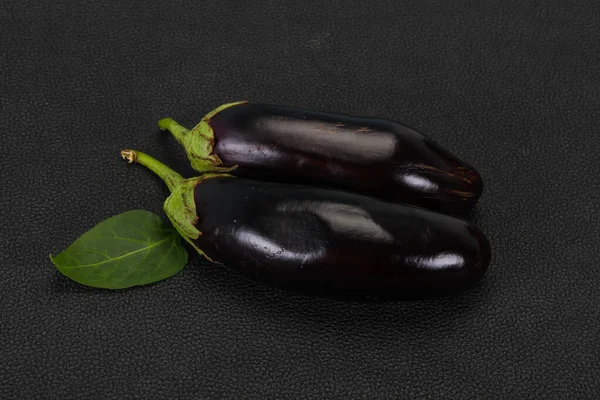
x=129, y=249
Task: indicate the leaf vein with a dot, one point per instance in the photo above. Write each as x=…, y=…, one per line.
x=121, y=257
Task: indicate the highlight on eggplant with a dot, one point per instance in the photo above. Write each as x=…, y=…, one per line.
x=322, y=240
x=371, y=156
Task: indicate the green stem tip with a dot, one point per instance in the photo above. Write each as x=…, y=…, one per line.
x=170, y=177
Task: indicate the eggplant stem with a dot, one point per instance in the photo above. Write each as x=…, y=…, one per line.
x=178, y=131
x=170, y=177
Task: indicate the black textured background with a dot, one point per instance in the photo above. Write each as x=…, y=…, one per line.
x=511, y=86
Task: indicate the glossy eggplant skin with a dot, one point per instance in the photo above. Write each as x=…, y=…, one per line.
x=336, y=242
x=375, y=157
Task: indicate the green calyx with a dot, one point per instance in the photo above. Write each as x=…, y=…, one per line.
x=198, y=142
x=180, y=206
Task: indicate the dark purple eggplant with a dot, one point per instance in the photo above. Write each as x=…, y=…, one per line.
x=375, y=157
x=322, y=240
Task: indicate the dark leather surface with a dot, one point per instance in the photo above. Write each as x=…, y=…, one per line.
x=511, y=86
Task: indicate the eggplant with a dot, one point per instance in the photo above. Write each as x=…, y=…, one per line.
x=375, y=157
x=322, y=240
